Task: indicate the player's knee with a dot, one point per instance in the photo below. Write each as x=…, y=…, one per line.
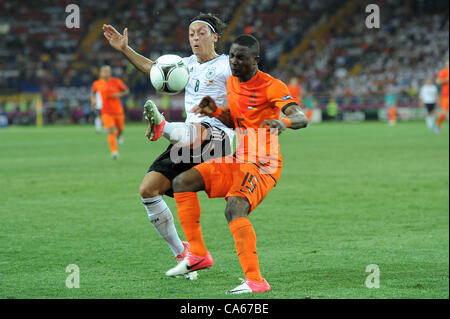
x=180, y=183
x=236, y=207
x=148, y=192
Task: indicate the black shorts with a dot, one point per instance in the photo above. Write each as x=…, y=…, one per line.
x=175, y=160
x=430, y=107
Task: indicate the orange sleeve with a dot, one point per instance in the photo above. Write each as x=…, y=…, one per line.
x=279, y=95
x=121, y=85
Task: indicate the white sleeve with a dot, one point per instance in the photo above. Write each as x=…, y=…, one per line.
x=186, y=59
x=227, y=74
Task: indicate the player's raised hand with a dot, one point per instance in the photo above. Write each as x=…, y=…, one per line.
x=115, y=39
x=274, y=126
x=207, y=107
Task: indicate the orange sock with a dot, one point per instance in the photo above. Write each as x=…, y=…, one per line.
x=441, y=118
x=189, y=214
x=112, y=142
x=393, y=114
x=308, y=114
x=245, y=243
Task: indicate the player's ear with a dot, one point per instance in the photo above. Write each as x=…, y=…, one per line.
x=215, y=37
x=256, y=59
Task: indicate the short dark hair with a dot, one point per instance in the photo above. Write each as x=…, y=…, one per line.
x=248, y=41
x=218, y=25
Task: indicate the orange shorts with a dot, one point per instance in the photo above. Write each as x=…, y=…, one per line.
x=444, y=103
x=110, y=120
x=236, y=180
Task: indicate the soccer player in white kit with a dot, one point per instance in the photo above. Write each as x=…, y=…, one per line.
x=209, y=73
x=428, y=96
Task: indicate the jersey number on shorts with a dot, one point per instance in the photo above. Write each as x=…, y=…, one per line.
x=249, y=179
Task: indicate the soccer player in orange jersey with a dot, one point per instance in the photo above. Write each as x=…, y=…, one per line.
x=111, y=90
x=296, y=93
x=256, y=101
x=442, y=79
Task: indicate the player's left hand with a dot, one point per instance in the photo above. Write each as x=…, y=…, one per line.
x=207, y=107
x=274, y=126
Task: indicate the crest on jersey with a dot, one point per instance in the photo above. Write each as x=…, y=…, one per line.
x=211, y=73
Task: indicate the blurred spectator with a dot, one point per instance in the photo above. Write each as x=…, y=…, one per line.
x=349, y=62
x=332, y=109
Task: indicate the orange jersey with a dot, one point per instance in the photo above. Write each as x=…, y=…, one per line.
x=443, y=74
x=296, y=92
x=251, y=103
x=106, y=89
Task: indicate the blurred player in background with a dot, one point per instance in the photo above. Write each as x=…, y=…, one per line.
x=428, y=96
x=296, y=92
x=113, y=116
x=390, y=101
x=309, y=105
x=96, y=109
x=209, y=73
x=295, y=89
x=255, y=102
x=442, y=80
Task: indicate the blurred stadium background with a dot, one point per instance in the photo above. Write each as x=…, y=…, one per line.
x=350, y=195
x=325, y=43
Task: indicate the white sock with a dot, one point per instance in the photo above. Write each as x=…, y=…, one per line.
x=98, y=123
x=430, y=121
x=182, y=134
x=161, y=217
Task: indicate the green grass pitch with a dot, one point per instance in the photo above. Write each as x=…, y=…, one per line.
x=349, y=195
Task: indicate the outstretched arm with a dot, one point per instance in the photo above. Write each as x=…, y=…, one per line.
x=122, y=93
x=441, y=80
x=93, y=101
x=292, y=117
x=120, y=43
x=208, y=107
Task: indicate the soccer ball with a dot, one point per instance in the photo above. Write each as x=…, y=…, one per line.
x=169, y=74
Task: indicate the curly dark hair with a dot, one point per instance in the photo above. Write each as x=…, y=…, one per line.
x=218, y=25
x=250, y=42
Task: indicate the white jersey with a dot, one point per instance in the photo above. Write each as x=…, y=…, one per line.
x=98, y=101
x=208, y=78
x=428, y=93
